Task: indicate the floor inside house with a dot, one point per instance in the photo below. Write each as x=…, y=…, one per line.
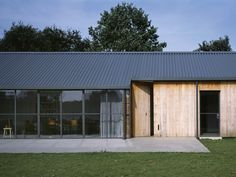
x=146, y=144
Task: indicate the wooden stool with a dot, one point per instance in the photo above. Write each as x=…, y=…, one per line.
x=6, y=131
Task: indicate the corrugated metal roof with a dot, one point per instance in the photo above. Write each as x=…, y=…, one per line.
x=104, y=70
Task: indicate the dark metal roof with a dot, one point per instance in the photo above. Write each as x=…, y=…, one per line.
x=109, y=70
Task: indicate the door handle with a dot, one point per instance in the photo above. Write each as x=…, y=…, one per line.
x=218, y=116
x=158, y=127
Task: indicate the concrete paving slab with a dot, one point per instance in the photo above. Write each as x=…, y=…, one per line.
x=145, y=144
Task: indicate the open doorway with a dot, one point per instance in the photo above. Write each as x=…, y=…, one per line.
x=209, y=113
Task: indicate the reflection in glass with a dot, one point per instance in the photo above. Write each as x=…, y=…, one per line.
x=50, y=125
x=26, y=125
x=92, y=125
x=50, y=102
x=93, y=100
x=72, y=101
x=7, y=101
x=115, y=102
x=72, y=124
x=26, y=101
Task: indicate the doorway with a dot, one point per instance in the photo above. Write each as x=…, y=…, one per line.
x=209, y=113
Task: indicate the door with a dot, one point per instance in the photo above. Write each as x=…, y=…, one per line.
x=209, y=113
x=141, y=106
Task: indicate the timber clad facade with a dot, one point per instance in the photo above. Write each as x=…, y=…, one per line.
x=118, y=95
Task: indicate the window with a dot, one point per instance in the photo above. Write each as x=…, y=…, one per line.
x=26, y=125
x=26, y=101
x=7, y=102
x=112, y=120
x=72, y=101
x=50, y=125
x=50, y=113
x=50, y=102
x=72, y=112
x=26, y=112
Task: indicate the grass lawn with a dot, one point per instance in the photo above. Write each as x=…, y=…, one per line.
x=221, y=162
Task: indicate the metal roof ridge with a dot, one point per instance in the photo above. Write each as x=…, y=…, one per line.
x=120, y=52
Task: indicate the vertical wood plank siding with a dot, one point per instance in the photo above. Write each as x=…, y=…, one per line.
x=174, y=109
x=141, y=109
x=227, y=105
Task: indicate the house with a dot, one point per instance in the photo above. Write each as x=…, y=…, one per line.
x=117, y=94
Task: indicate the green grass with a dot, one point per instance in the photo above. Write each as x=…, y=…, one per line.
x=221, y=162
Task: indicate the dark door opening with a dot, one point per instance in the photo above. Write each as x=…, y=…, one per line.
x=209, y=113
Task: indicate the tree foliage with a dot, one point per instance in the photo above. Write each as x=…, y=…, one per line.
x=125, y=28
x=222, y=44
x=22, y=37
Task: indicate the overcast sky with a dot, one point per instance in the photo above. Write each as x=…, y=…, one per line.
x=181, y=23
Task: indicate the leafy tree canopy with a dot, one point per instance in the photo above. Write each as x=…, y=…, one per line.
x=22, y=37
x=125, y=28
x=222, y=44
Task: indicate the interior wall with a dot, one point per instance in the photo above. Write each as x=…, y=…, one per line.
x=174, y=109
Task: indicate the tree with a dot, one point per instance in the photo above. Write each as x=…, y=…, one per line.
x=22, y=37
x=222, y=44
x=125, y=28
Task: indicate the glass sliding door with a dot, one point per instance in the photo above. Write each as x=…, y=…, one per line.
x=64, y=113
x=26, y=113
x=7, y=111
x=72, y=114
x=95, y=107
x=112, y=121
x=50, y=122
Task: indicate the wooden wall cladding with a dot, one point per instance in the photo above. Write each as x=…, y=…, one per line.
x=140, y=109
x=227, y=105
x=174, y=109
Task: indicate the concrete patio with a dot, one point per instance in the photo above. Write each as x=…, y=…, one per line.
x=147, y=144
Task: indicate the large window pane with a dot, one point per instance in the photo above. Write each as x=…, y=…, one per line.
x=112, y=121
x=50, y=125
x=111, y=125
x=93, y=99
x=72, y=101
x=26, y=101
x=92, y=125
x=7, y=101
x=50, y=102
x=6, y=121
x=72, y=124
x=115, y=102
x=26, y=125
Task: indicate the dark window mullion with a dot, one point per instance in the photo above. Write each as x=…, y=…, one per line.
x=15, y=112
x=83, y=114
x=61, y=133
x=38, y=113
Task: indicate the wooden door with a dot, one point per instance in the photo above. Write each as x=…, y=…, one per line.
x=141, y=109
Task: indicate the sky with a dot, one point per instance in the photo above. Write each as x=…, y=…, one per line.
x=183, y=24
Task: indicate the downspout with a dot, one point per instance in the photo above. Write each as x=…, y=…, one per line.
x=197, y=109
